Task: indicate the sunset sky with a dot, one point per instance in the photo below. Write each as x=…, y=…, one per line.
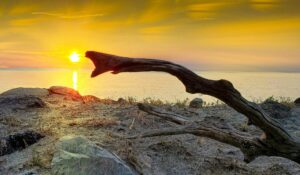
x=243, y=35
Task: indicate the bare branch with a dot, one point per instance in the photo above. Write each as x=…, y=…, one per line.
x=175, y=118
x=250, y=146
x=277, y=139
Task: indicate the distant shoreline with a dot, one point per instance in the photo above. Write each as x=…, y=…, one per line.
x=88, y=69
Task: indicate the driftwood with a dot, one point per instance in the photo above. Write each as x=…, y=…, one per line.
x=276, y=141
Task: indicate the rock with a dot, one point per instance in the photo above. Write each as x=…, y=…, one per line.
x=22, y=98
x=121, y=100
x=275, y=110
x=20, y=102
x=37, y=92
x=90, y=99
x=29, y=172
x=297, y=102
x=69, y=93
x=18, y=141
x=196, y=103
x=274, y=165
x=77, y=155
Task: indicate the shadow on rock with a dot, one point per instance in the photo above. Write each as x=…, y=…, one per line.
x=18, y=141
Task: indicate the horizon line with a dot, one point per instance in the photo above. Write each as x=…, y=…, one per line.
x=196, y=70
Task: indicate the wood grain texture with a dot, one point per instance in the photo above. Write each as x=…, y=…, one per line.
x=277, y=141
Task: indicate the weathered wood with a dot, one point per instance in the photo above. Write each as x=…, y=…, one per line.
x=211, y=127
x=277, y=141
x=175, y=118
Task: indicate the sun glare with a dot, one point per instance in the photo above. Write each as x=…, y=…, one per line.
x=74, y=57
x=75, y=80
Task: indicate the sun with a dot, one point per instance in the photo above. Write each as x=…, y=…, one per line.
x=74, y=57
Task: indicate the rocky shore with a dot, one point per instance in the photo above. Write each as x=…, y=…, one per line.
x=59, y=131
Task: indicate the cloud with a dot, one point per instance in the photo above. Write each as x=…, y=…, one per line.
x=264, y=1
x=218, y=31
x=21, y=52
x=205, y=11
x=63, y=16
x=23, y=22
x=156, y=30
x=19, y=10
x=263, y=5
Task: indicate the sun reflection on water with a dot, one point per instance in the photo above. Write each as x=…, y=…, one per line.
x=75, y=80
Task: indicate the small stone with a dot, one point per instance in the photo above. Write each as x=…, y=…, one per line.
x=196, y=103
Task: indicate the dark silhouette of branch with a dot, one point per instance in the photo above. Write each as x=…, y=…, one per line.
x=277, y=142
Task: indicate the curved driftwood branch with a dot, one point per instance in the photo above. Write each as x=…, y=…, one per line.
x=211, y=127
x=277, y=140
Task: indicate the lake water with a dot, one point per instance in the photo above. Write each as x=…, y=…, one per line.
x=253, y=85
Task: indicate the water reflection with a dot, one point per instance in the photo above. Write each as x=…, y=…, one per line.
x=253, y=85
x=75, y=80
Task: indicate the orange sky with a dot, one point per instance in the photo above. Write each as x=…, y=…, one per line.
x=244, y=35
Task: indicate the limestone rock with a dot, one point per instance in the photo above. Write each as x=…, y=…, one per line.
x=275, y=109
x=20, y=102
x=274, y=165
x=37, y=92
x=77, y=155
x=63, y=91
x=18, y=141
x=68, y=93
x=196, y=103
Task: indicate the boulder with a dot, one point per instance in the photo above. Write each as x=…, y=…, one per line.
x=275, y=110
x=37, y=92
x=274, y=165
x=18, y=141
x=20, y=102
x=68, y=93
x=196, y=103
x=63, y=91
x=77, y=155
x=297, y=102
x=21, y=99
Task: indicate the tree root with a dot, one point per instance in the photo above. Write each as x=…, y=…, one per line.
x=277, y=141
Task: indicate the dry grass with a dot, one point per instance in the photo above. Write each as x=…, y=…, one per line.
x=95, y=122
x=41, y=158
x=131, y=100
x=152, y=101
x=11, y=121
x=283, y=100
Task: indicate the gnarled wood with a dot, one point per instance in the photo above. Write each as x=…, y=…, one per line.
x=278, y=141
x=211, y=127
